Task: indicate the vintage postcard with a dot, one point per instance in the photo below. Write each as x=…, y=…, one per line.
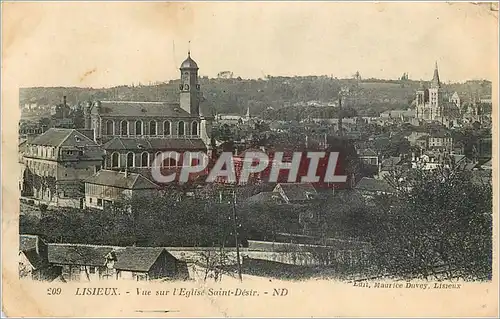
x=249, y=159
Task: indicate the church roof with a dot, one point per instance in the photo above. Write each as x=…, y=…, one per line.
x=157, y=144
x=142, y=109
x=189, y=63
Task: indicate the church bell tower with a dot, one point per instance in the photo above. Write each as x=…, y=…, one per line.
x=189, y=87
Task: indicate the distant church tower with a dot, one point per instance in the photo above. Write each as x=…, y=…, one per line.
x=429, y=101
x=189, y=87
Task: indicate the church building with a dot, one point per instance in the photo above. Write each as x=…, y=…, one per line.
x=133, y=133
x=434, y=105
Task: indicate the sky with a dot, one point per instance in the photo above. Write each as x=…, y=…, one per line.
x=107, y=44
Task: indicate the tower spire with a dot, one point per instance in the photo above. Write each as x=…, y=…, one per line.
x=189, y=49
x=435, y=80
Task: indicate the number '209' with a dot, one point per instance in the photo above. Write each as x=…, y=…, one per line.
x=53, y=291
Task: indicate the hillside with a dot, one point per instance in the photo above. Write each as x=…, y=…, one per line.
x=367, y=97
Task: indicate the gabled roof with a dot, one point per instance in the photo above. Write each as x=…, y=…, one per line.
x=373, y=185
x=487, y=164
x=297, y=191
x=121, y=180
x=137, y=258
x=156, y=144
x=367, y=152
x=390, y=162
x=27, y=242
x=75, y=254
x=265, y=197
x=57, y=137
x=142, y=109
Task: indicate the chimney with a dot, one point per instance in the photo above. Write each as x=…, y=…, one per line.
x=126, y=172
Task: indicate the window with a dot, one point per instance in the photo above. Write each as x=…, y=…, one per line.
x=170, y=161
x=90, y=200
x=124, y=128
x=166, y=128
x=115, y=160
x=180, y=128
x=194, y=128
x=110, y=127
x=138, y=128
x=157, y=159
x=152, y=128
x=92, y=270
x=99, y=202
x=130, y=159
x=144, y=159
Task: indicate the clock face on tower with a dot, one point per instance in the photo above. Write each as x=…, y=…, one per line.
x=186, y=87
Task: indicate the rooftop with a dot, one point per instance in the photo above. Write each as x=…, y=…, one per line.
x=158, y=144
x=373, y=185
x=121, y=180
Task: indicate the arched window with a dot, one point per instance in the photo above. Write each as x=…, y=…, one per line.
x=171, y=161
x=166, y=128
x=110, y=127
x=130, y=159
x=180, y=128
x=115, y=159
x=124, y=128
x=145, y=159
x=194, y=128
x=157, y=160
x=152, y=127
x=138, y=128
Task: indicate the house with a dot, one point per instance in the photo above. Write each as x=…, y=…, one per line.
x=389, y=164
x=106, y=187
x=369, y=187
x=266, y=198
x=33, y=259
x=296, y=193
x=146, y=263
x=368, y=156
x=80, y=262
x=91, y=262
x=56, y=163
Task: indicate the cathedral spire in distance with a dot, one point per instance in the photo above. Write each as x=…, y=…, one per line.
x=435, y=80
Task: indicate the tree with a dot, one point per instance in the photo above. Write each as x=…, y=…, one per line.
x=437, y=219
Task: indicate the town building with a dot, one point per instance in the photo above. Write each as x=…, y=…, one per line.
x=33, y=259
x=107, y=187
x=81, y=262
x=56, y=163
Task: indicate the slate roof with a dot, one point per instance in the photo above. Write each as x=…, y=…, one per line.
x=121, y=180
x=62, y=137
x=297, y=191
x=35, y=250
x=156, y=144
x=373, y=185
x=137, y=258
x=142, y=109
x=75, y=254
